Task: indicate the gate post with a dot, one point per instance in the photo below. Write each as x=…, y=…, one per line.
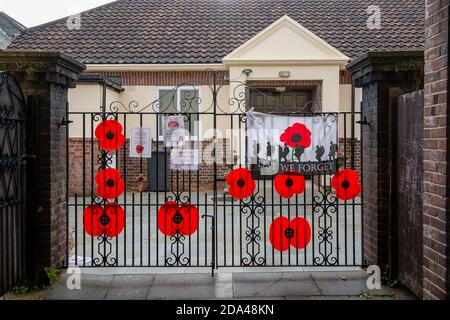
x=45, y=78
x=382, y=76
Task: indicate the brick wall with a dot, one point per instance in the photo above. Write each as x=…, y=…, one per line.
x=80, y=156
x=379, y=74
x=348, y=154
x=436, y=168
x=46, y=86
x=169, y=78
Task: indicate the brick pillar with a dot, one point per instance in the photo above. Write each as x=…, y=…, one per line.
x=436, y=221
x=45, y=79
x=379, y=74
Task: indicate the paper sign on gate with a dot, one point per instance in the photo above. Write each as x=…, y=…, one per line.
x=140, y=143
x=182, y=159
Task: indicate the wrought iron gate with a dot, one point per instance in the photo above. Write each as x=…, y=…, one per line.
x=117, y=218
x=12, y=204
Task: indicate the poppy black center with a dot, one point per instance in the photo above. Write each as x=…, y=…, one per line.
x=241, y=183
x=296, y=137
x=345, y=184
x=110, y=135
x=110, y=183
x=177, y=218
x=289, y=233
x=104, y=220
x=289, y=182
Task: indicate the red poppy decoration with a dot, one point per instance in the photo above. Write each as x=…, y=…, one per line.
x=139, y=148
x=284, y=233
x=109, y=133
x=346, y=184
x=174, y=219
x=240, y=183
x=110, y=184
x=288, y=184
x=110, y=221
x=297, y=135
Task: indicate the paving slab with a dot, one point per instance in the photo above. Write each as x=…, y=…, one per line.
x=342, y=283
x=182, y=286
x=93, y=287
x=130, y=287
x=247, y=285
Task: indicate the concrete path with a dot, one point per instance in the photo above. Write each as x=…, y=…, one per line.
x=248, y=285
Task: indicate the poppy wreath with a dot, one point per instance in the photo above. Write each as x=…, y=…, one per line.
x=109, y=184
x=109, y=221
x=346, y=184
x=285, y=233
x=109, y=133
x=289, y=184
x=240, y=183
x=298, y=135
x=174, y=219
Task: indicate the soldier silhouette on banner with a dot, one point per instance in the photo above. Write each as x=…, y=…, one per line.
x=320, y=151
x=333, y=151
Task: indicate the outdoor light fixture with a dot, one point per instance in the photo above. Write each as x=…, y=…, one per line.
x=247, y=72
x=280, y=89
x=285, y=74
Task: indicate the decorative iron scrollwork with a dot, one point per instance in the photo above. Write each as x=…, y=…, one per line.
x=325, y=205
x=253, y=209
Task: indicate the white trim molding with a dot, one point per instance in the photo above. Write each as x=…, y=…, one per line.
x=334, y=57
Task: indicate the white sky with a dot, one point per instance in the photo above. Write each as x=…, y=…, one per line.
x=34, y=12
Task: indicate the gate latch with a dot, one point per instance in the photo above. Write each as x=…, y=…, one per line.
x=64, y=122
x=363, y=122
x=27, y=157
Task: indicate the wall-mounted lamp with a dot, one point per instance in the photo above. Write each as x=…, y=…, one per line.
x=247, y=72
x=280, y=89
x=285, y=74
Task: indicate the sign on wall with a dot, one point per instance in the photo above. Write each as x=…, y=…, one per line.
x=184, y=159
x=140, y=143
x=173, y=131
x=307, y=145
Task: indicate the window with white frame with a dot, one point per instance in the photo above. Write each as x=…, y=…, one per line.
x=185, y=100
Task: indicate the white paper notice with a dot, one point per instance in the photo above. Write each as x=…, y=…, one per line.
x=174, y=133
x=141, y=143
x=184, y=159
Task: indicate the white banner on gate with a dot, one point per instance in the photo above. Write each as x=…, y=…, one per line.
x=306, y=144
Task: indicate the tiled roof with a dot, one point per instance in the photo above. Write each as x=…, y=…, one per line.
x=205, y=31
x=10, y=26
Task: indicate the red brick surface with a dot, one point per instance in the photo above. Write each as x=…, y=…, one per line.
x=436, y=169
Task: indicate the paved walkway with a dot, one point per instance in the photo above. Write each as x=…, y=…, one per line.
x=249, y=285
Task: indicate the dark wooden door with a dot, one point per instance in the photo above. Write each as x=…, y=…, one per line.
x=407, y=197
x=271, y=101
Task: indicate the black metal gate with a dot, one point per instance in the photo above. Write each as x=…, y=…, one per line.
x=12, y=204
x=117, y=217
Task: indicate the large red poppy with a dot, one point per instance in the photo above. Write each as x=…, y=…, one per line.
x=240, y=183
x=296, y=233
x=109, y=184
x=346, y=184
x=297, y=135
x=173, y=218
x=288, y=184
x=109, y=133
x=110, y=221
